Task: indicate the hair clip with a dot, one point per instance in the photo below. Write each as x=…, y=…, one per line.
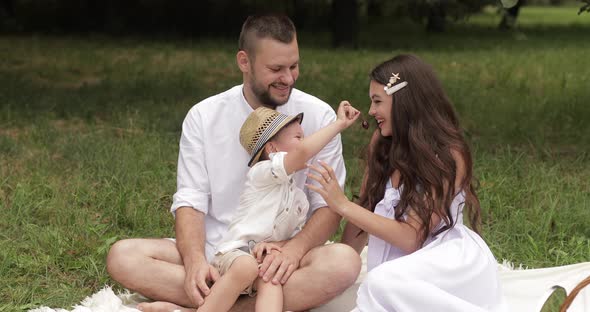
x=390, y=88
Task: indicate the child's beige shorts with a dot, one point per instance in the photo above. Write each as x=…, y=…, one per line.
x=222, y=262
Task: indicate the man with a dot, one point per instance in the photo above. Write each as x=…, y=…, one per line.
x=211, y=175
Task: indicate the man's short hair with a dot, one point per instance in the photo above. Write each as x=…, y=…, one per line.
x=275, y=26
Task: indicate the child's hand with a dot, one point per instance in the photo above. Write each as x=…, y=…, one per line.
x=347, y=114
x=264, y=248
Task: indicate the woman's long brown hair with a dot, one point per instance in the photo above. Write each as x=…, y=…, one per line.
x=425, y=129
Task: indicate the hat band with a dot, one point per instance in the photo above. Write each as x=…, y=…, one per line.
x=267, y=133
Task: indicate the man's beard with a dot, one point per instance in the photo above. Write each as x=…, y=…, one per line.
x=263, y=95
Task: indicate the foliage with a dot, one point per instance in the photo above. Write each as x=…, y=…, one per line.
x=585, y=7
x=420, y=10
x=210, y=18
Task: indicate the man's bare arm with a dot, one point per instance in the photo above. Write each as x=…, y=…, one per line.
x=318, y=229
x=190, y=241
x=190, y=234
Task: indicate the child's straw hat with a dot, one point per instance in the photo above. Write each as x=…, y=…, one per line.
x=260, y=126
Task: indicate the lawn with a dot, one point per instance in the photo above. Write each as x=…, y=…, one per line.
x=89, y=131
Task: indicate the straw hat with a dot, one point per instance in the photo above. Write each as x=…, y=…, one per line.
x=260, y=126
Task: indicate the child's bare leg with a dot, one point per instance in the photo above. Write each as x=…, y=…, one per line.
x=227, y=289
x=269, y=296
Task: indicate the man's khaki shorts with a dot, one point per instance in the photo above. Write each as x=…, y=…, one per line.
x=222, y=262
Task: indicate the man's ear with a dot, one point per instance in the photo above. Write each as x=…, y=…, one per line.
x=243, y=61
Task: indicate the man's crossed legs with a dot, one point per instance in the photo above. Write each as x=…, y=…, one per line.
x=153, y=268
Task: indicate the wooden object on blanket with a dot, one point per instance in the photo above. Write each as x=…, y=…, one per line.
x=570, y=298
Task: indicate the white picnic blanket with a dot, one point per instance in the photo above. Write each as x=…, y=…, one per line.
x=525, y=290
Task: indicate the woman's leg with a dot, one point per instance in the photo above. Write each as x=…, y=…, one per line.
x=457, y=273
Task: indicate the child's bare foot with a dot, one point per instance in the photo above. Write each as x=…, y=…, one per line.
x=162, y=306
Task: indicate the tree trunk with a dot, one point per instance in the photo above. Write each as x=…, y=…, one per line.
x=508, y=21
x=96, y=12
x=374, y=8
x=437, y=17
x=8, y=7
x=299, y=14
x=7, y=15
x=345, y=23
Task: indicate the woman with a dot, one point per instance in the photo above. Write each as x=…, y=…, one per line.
x=417, y=183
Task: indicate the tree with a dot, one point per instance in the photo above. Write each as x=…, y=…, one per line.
x=435, y=14
x=510, y=16
x=345, y=23
x=585, y=7
x=8, y=7
x=7, y=16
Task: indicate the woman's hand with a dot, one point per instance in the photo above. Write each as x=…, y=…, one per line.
x=330, y=189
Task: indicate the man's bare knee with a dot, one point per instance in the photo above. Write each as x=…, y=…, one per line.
x=326, y=272
x=119, y=261
x=342, y=265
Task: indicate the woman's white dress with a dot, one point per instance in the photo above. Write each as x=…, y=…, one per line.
x=454, y=271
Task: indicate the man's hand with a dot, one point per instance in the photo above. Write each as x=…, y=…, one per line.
x=195, y=283
x=279, y=265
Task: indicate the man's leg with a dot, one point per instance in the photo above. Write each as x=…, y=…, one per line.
x=324, y=272
x=346, y=301
x=152, y=267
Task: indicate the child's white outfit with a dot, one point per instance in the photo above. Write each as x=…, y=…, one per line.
x=272, y=208
x=454, y=271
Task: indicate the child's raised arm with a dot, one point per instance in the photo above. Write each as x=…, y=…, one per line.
x=313, y=144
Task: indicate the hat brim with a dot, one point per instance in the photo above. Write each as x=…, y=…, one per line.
x=286, y=122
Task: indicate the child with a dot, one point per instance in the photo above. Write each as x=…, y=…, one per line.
x=418, y=180
x=271, y=209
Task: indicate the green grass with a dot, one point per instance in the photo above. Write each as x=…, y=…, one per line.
x=89, y=134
